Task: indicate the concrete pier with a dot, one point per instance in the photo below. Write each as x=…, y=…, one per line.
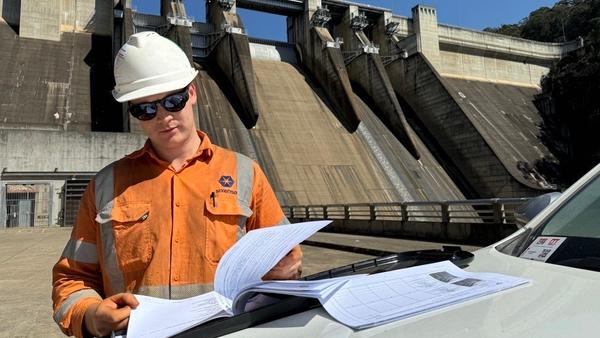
x=369, y=77
x=232, y=55
x=322, y=55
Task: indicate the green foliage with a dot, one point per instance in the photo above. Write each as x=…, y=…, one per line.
x=565, y=21
x=545, y=24
x=510, y=30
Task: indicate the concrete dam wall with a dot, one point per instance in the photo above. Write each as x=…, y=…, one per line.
x=309, y=157
x=325, y=120
x=56, y=66
x=489, y=131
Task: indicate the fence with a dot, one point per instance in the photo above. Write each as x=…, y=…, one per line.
x=30, y=204
x=497, y=210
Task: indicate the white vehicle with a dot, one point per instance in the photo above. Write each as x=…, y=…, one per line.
x=562, y=244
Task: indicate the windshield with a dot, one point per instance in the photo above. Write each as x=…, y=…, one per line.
x=580, y=216
x=569, y=236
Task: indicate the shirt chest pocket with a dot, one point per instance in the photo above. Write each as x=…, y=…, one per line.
x=225, y=223
x=131, y=225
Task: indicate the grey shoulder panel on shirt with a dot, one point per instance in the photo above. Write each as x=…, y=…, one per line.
x=104, y=186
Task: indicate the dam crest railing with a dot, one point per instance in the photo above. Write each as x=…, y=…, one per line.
x=495, y=210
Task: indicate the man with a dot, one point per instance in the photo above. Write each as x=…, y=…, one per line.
x=157, y=221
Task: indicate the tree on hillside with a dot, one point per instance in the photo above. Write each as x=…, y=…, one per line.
x=510, y=30
x=545, y=24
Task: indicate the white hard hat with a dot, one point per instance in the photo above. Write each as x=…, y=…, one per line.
x=150, y=64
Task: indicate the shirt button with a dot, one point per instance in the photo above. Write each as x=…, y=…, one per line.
x=176, y=239
x=177, y=204
x=176, y=278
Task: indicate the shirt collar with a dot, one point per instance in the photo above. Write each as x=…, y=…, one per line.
x=204, y=152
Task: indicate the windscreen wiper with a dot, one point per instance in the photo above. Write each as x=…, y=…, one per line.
x=394, y=261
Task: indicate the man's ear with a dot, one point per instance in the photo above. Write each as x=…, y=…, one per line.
x=193, y=97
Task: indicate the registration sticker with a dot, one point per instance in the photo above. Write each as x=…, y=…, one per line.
x=542, y=248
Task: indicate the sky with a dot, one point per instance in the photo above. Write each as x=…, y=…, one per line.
x=474, y=14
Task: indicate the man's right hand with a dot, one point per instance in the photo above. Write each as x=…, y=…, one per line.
x=112, y=314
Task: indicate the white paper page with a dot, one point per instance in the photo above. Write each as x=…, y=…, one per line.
x=257, y=252
x=310, y=289
x=156, y=317
x=384, y=297
x=314, y=289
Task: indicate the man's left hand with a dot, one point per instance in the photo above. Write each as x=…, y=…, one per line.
x=289, y=267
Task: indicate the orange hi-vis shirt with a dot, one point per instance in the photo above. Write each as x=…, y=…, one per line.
x=145, y=228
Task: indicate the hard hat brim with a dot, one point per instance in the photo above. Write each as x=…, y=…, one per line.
x=155, y=89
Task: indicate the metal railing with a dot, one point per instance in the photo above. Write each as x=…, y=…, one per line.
x=497, y=210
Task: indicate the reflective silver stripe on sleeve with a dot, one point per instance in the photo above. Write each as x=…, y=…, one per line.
x=104, y=205
x=283, y=221
x=241, y=230
x=177, y=291
x=72, y=299
x=245, y=180
x=81, y=251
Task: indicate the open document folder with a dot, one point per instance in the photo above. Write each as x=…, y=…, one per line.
x=243, y=265
x=357, y=301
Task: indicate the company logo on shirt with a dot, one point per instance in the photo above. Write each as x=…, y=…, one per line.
x=226, y=181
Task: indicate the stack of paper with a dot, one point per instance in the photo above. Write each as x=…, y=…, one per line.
x=357, y=301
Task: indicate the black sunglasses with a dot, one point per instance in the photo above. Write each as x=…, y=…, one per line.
x=172, y=103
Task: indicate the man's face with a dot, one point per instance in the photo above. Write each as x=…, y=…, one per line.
x=170, y=130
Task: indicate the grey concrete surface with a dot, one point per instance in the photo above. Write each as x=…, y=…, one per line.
x=461, y=125
x=28, y=254
x=64, y=150
x=40, y=19
x=336, y=166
